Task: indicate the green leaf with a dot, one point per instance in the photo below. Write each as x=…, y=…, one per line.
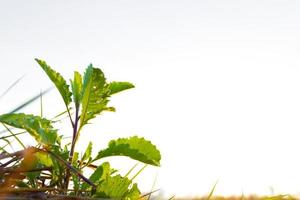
x=40, y=128
x=115, y=87
x=133, y=193
x=101, y=173
x=75, y=159
x=58, y=80
x=44, y=159
x=96, y=92
x=94, y=97
x=76, y=182
x=77, y=88
x=21, y=184
x=58, y=170
x=87, y=153
x=117, y=187
x=133, y=147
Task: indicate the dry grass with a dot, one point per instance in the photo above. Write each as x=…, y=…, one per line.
x=251, y=197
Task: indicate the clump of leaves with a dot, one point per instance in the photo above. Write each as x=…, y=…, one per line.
x=54, y=169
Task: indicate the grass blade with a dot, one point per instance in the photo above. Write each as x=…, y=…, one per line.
x=138, y=172
x=8, y=136
x=11, y=86
x=14, y=135
x=127, y=174
x=29, y=101
x=152, y=189
x=212, y=191
x=41, y=103
x=149, y=194
x=173, y=197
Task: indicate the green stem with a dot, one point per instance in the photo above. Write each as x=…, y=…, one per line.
x=70, y=167
x=41, y=103
x=15, y=136
x=75, y=127
x=68, y=110
x=74, y=133
x=8, y=136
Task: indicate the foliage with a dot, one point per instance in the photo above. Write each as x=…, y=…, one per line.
x=41, y=129
x=133, y=147
x=55, y=168
x=58, y=80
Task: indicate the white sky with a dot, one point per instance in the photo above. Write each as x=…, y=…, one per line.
x=217, y=83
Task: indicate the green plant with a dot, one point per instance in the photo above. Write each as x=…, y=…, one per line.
x=54, y=168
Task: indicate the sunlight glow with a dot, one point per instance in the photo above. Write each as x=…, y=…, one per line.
x=217, y=84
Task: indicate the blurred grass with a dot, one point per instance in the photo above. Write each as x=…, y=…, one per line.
x=251, y=197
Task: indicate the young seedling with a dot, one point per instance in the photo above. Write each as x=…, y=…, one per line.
x=55, y=169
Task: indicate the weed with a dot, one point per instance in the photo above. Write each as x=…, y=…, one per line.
x=52, y=169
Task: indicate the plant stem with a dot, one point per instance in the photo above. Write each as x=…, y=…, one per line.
x=17, y=153
x=70, y=167
x=23, y=190
x=13, y=169
x=8, y=162
x=14, y=135
x=69, y=113
x=75, y=127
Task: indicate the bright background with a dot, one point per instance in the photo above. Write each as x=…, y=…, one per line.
x=217, y=83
